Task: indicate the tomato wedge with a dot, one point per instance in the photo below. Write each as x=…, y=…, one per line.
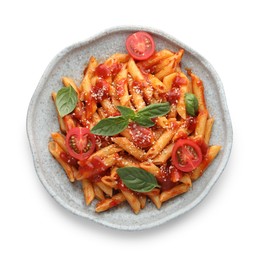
x=186, y=155
x=140, y=45
x=80, y=143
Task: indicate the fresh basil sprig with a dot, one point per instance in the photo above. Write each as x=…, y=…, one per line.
x=114, y=125
x=191, y=104
x=66, y=100
x=137, y=179
x=110, y=126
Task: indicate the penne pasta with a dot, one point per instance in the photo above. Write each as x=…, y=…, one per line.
x=173, y=192
x=201, y=123
x=155, y=149
x=158, y=146
x=88, y=191
x=108, y=203
x=56, y=151
x=133, y=200
x=210, y=156
x=208, y=129
x=129, y=147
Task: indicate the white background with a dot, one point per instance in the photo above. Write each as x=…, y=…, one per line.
x=227, y=224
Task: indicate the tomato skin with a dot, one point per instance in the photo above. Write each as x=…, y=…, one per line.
x=186, y=155
x=80, y=143
x=140, y=45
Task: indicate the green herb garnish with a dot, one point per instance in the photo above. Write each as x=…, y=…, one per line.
x=114, y=125
x=191, y=104
x=66, y=100
x=137, y=179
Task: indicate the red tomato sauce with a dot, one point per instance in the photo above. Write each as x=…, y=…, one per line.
x=101, y=90
x=69, y=159
x=141, y=136
x=93, y=168
x=165, y=180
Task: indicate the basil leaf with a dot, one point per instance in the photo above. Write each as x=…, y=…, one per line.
x=126, y=112
x=66, y=100
x=110, y=126
x=191, y=104
x=154, y=110
x=144, y=121
x=137, y=179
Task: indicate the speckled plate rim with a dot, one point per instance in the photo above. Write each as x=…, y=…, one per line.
x=205, y=63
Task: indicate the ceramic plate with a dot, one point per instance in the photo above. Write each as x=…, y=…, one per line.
x=42, y=120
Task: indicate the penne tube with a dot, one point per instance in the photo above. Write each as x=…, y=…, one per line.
x=142, y=198
x=201, y=123
x=155, y=59
x=158, y=84
x=158, y=146
x=147, y=90
x=106, y=204
x=134, y=71
x=129, y=147
x=99, y=194
x=165, y=71
x=94, y=119
x=133, y=200
x=121, y=86
x=110, y=181
x=168, y=80
x=181, y=110
x=56, y=151
x=101, y=112
x=173, y=111
x=126, y=133
x=60, y=140
x=150, y=167
x=210, y=156
x=106, y=151
x=165, y=155
x=182, y=132
x=163, y=63
x=60, y=119
x=173, y=192
x=105, y=188
x=186, y=179
x=90, y=104
x=85, y=86
x=69, y=122
x=91, y=67
x=127, y=161
x=198, y=90
x=162, y=121
x=156, y=200
x=88, y=191
x=117, y=58
x=208, y=129
x=109, y=107
x=136, y=94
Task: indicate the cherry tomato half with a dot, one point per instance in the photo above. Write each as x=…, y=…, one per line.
x=186, y=155
x=140, y=45
x=80, y=143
